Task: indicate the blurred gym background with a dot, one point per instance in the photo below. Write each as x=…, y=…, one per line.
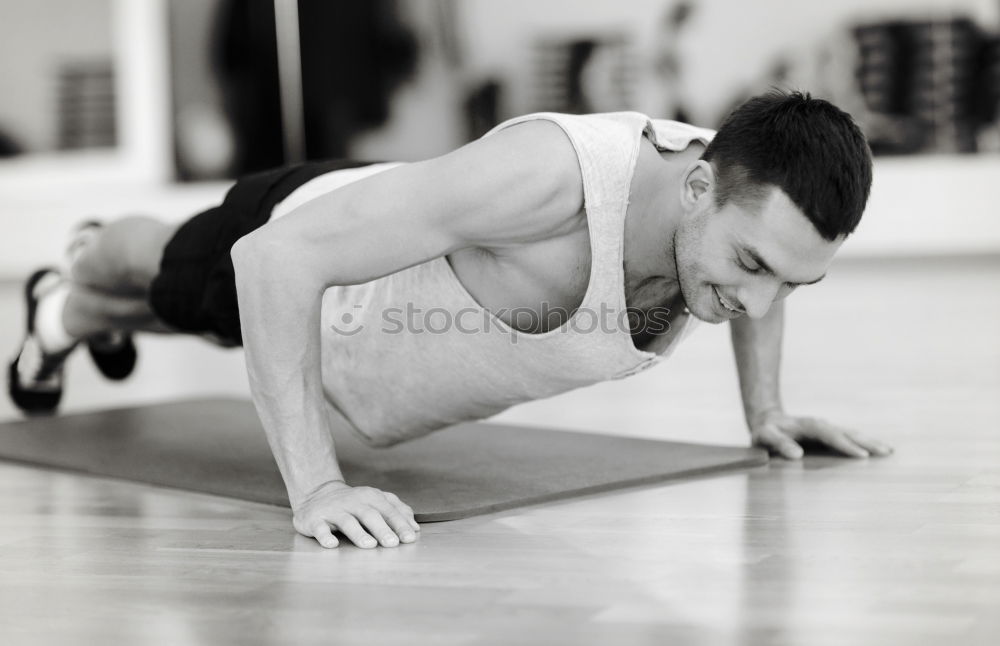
x=112, y=107
x=105, y=101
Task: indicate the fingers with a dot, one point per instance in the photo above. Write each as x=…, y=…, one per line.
x=837, y=440
x=777, y=442
x=872, y=446
x=324, y=535
x=404, y=509
x=781, y=438
x=387, y=517
x=385, y=525
x=400, y=522
x=352, y=529
x=367, y=516
x=846, y=442
x=376, y=525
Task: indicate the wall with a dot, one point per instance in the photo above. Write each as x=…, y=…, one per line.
x=920, y=205
x=930, y=205
x=726, y=45
x=35, y=37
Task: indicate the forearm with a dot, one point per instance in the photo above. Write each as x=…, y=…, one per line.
x=757, y=347
x=280, y=319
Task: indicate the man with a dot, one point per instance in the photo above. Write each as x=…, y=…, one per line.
x=547, y=230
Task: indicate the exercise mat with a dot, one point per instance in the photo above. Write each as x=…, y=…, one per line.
x=217, y=446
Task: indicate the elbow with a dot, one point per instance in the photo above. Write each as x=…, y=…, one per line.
x=245, y=248
x=242, y=255
x=270, y=264
x=250, y=252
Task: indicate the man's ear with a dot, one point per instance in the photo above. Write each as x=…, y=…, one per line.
x=699, y=183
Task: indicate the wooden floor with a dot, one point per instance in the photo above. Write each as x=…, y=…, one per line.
x=901, y=551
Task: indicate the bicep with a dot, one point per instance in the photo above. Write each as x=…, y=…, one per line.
x=519, y=185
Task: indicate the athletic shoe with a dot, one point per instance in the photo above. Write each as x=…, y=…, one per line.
x=113, y=353
x=35, y=377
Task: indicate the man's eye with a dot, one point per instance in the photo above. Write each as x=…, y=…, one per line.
x=744, y=267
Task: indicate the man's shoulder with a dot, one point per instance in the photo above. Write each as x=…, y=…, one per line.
x=546, y=154
x=520, y=185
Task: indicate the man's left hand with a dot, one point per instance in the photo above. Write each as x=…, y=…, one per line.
x=781, y=433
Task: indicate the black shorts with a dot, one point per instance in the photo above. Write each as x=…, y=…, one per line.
x=195, y=291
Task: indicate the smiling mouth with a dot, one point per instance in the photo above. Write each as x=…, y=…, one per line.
x=723, y=302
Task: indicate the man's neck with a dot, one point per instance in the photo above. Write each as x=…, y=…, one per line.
x=653, y=217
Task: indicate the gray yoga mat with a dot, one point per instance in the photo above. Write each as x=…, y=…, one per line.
x=217, y=446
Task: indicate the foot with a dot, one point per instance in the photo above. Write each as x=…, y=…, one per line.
x=82, y=236
x=35, y=376
x=113, y=353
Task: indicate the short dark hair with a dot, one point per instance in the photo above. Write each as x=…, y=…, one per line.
x=808, y=148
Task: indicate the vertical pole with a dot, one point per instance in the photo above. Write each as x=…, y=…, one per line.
x=286, y=25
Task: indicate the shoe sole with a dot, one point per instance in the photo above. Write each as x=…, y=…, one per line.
x=31, y=402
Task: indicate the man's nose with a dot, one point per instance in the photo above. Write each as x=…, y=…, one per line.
x=758, y=297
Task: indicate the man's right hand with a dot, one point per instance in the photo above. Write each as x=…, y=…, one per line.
x=352, y=511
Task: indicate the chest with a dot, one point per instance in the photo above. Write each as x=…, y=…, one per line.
x=532, y=288
x=536, y=288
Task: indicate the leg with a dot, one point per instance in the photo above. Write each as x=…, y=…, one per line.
x=89, y=313
x=105, y=300
x=112, y=267
x=121, y=258
x=119, y=269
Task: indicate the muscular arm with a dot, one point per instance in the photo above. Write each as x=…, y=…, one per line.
x=519, y=185
x=757, y=346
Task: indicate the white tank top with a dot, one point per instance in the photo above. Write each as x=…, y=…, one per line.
x=413, y=352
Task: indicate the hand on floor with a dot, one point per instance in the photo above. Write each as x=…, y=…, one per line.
x=352, y=511
x=784, y=434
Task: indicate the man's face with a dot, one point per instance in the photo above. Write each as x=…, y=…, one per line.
x=741, y=259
